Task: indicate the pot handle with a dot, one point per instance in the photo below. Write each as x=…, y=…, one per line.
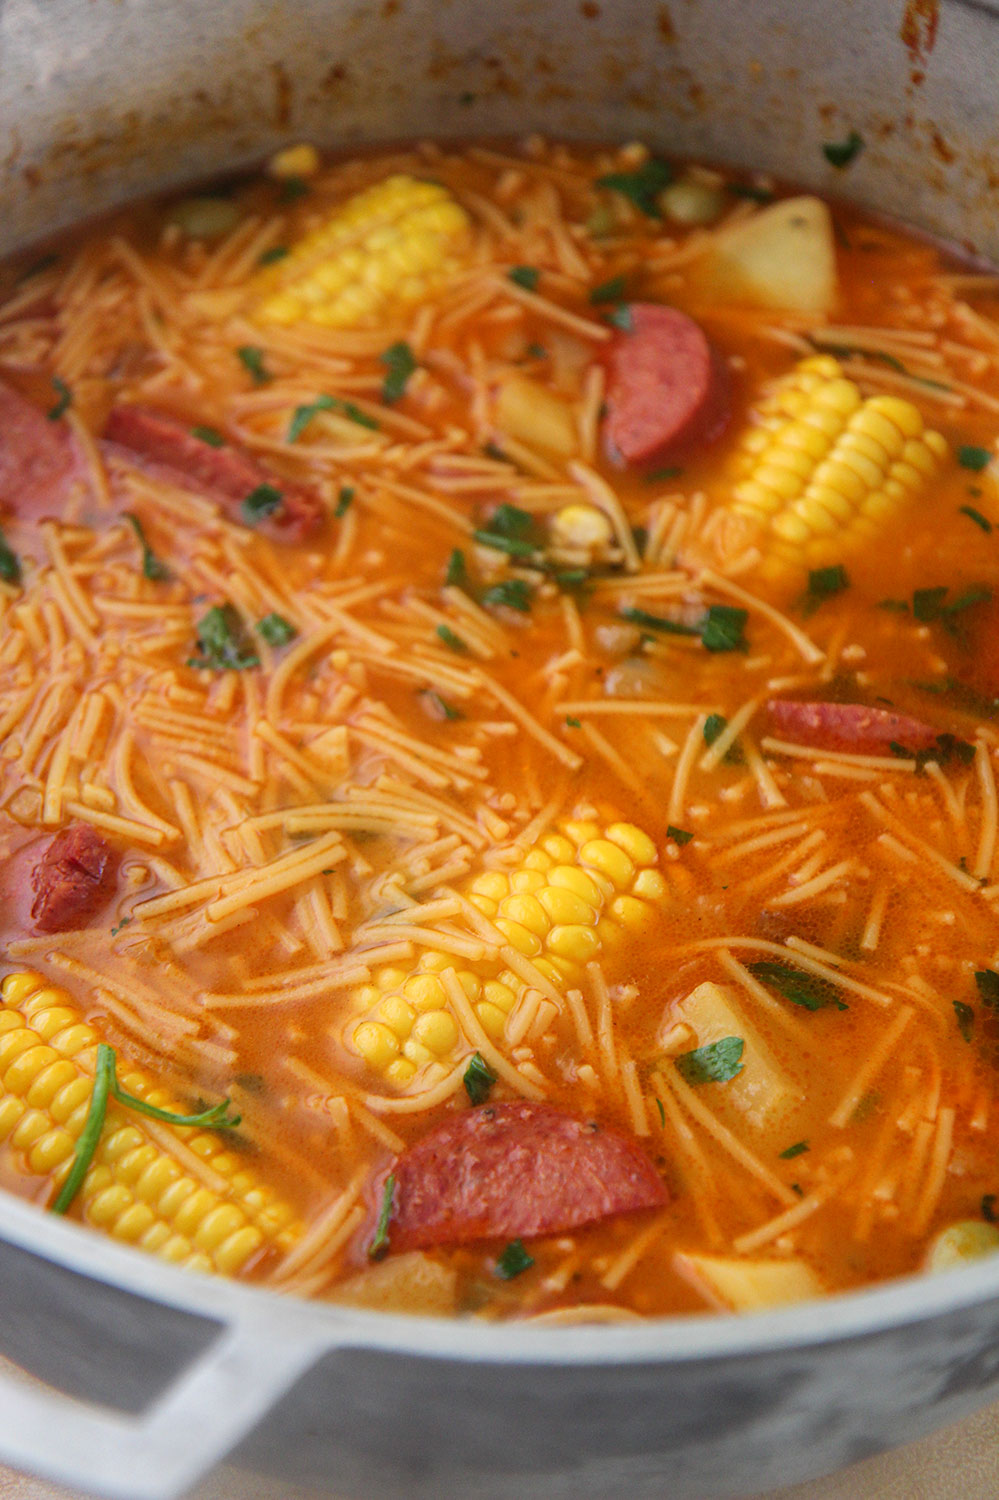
x=197, y=1420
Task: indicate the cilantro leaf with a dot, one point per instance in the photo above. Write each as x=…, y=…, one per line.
x=344, y=501
x=976, y=516
x=260, y=503
x=223, y=643
x=965, y=1019
x=64, y=402
x=718, y=1062
x=276, y=630
x=714, y=725
x=609, y=291
x=842, y=153
x=209, y=435
x=973, y=458
x=525, y=276
x=987, y=984
x=447, y=635
x=379, y=1246
x=801, y=989
x=642, y=186
x=514, y=593
x=252, y=358
x=151, y=565
x=798, y=1149
x=303, y=415
x=478, y=1079
x=10, y=563
x=399, y=362
x=723, y=628
x=824, y=583
x=679, y=836
x=513, y=1260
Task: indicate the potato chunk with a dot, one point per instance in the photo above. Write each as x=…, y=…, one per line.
x=783, y=257
x=534, y=415
x=735, y=1285
x=762, y=1092
x=412, y=1283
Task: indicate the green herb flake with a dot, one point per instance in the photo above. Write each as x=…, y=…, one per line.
x=679, y=836
x=747, y=190
x=513, y=593
x=723, y=628
x=276, y=630
x=355, y=414
x=513, y=1260
x=609, y=291
x=536, y=351
x=252, y=359
x=989, y=1208
x=344, y=501
x=302, y=415
x=825, y=583
x=798, y=1149
x=973, y=458
x=478, y=1079
x=275, y=253
x=151, y=565
x=120, y=925
x=43, y=263
x=524, y=276
x=209, y=435
x=965, y=1019
x=927, y=604
x=466, y=97
x=64, y=402
x=379, y=1246
x=223, y=643
x=456, y=576
x=792, y=984
x=976, y=516
x=10, y=563
x=621, y=317
x=718, y=1062
x=842, y=153
x=293, y=188
x=400, y=363
x=657, y=622
x=659, y=476
x=571, y=723
x=662, y=1112
x=642, y=186
x=714, y=726
x=447, y=635
x=260, y=503
x=987, y=984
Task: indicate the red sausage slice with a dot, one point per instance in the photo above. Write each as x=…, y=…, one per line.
x=228, y=473
x=38, y=461
x=515, y=1170
x=667, y=387
x=72, y=880
x=848, y=726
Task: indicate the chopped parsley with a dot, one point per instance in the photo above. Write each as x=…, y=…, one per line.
x=151, y=565
x=209, y=435
x=792, y=984
x=275, y=253
x=252, y=358
x=987, y=984
x=537, y=351
x=513, y=1260
x=989, y=1208
x=718, y=1062
x=931, y=604
x=478, y=1079
x=948, y=747
x=292, y=188
x=824, y=583
x=509, y=530
x=222, y=642
x=965, y=1019
x=276, y=630
x=723, y=628
x=119, y=925
x=399, y=362
x=662, y=1112
x=609, y=291
x=380, y=1243
x=106, y=1087
x=714, y=726
x=303, y=415
x=260, y=503
x=10, y=563
x=679, y=836
x=976, y=516
x=642, y=186
x=355, y=414
x=456, y=575
x=64, y=402
x=798, y=1149
x=514, y=593
x=656, y=476
x=973, y=458
x=620, y=317
x=842, y=153
x=524, y=276
x=572, y=723
x=344, y=501
x=658, y=622
x=447, y=635
x=747, y=190
x=442, y=708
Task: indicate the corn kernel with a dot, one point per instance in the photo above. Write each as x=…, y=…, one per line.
x=437, y=1030
x=578, y=944
x=528, y=911
x=400, y=1072
x=107, y=1206
x=498, y=995
x=630, y=912
x=651, y=885
x=634, y=842
x=484, y=905
x=524, y=941
x=17, y=988
x=217, y=1225
x=232, y=1255
x=436, y=963
x=538, y=860
x=136, y=1221
x=376, y=1043
x=492, y=1018
x=557, y=847
x=571, y=878
x=193, y=1211
x=425, y=991
x=417, y=1054
x=493, y=883
x=580, y=832
x=470, y=983
x=527, y=882
x=391, y=978
x=581, y=527
x=50, y=1151
x=397, y=1015
x=563, y=906
x=294, y=161
x=612, y=861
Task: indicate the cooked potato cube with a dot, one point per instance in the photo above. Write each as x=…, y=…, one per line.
x=735, y=1285
x=530, y=412
x=784, y=256
x=761, y=1092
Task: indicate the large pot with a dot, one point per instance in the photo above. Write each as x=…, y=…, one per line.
x=106, y=99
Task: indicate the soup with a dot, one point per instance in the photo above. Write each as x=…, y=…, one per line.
x=497, y=692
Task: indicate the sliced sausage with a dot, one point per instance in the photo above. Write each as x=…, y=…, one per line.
x=38, y=459
x=227, y=473
x=667, y=387
x=848, y=726
x=73, y=879
x=515, y=1170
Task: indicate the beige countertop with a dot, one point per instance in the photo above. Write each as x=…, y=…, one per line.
x=960, y=1463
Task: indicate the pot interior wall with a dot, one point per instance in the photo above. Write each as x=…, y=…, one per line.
x=111, y=99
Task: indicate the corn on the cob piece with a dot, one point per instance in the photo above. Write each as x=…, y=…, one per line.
x=822, y=470
x=576, y=894
x=134, y=1189
x=388, y=247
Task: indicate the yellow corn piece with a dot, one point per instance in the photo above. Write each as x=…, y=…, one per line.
x=821, y=471
x=578, y=893
x=135, y=1189
x=386, y=248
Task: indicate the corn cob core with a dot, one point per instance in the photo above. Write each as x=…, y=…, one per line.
x=389, y=246
x=134, y=1190
x=576, y=894
x=823, y=469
